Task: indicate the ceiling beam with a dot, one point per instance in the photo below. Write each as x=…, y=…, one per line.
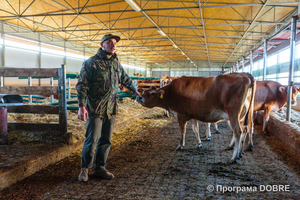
x=248, y=29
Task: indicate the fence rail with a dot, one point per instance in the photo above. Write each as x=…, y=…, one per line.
x=59, y=90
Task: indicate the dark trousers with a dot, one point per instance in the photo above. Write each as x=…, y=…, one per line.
x=97, y=142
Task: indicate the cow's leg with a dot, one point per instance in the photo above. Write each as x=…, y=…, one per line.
x=236, y=137
x=242, y=142
x=230, y=147
x=182, y=127
x=266, y=117
x=249, y=133
x=217, y=129
x=195, y=128
x=255, y=117
x=250, y=142
x=208, y=133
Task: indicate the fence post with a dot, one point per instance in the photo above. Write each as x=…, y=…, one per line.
x=69, y=88
x=29, y=85
x=62, y=99
x=52, y=96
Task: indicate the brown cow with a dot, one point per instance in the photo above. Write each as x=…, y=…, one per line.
x=269, y=96
x=208, y=99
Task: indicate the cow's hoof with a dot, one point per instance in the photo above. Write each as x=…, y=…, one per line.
x=199, y=146
x=208, y=139
x=218, y=132
x=249, y=148
x=241, y=155
x=229, y=148
x=179, y=148
x=233, y=161
x=266, y=133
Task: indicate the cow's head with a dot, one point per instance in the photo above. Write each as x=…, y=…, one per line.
x=295, y=90
x=151, y=97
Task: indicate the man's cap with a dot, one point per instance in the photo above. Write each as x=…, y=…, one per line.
x=108, y=36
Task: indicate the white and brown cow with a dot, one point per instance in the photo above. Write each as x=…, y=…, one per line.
x=208, y=99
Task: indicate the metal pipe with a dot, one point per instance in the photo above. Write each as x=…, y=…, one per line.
x=291, y=69
x=2, y=58
x=243, y=64
x=52, y=96
x=29, y=84
x=265, y=58
x=251, y=61
x=40, y=56
x=69, y=88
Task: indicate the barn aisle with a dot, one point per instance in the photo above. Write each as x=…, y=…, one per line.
x=146, y=166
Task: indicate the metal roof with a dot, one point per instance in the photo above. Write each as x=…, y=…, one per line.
x=160, y=33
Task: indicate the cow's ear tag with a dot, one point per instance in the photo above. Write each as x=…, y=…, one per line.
x=161, y=96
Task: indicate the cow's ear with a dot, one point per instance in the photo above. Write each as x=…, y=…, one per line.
x=140, y=90
x=161, y=94
x=282, y=89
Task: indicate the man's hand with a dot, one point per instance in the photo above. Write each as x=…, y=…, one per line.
x=82, y=114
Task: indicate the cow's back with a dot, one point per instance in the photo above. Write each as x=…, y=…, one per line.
x=207, y=98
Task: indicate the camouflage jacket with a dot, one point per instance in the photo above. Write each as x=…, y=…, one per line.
x=98, y=84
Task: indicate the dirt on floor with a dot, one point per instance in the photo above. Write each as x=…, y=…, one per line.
x=146, y=166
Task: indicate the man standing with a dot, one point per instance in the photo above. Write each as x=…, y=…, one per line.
x=97, y=90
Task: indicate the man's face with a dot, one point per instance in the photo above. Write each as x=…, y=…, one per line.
x=109, y=45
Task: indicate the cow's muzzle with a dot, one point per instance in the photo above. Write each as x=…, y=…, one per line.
x=140, y=100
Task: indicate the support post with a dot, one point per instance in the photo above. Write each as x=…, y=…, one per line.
x=51, y=96
x=29, y=84
x=265, y=58
x=291, y=68
x=2, y=58
x=69, y=89
x=40, y=58
x=3, y=47
x=62, y=99
x=251, y=61
x=243, y=64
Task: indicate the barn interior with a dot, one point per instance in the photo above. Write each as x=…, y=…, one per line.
x=197, y=38
x=159, y=39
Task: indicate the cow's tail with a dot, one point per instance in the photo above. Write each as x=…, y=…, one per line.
x=249, y=116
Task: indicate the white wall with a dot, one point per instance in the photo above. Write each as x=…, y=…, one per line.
x=20, y=58
x=74, y=65
x=51, y=61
